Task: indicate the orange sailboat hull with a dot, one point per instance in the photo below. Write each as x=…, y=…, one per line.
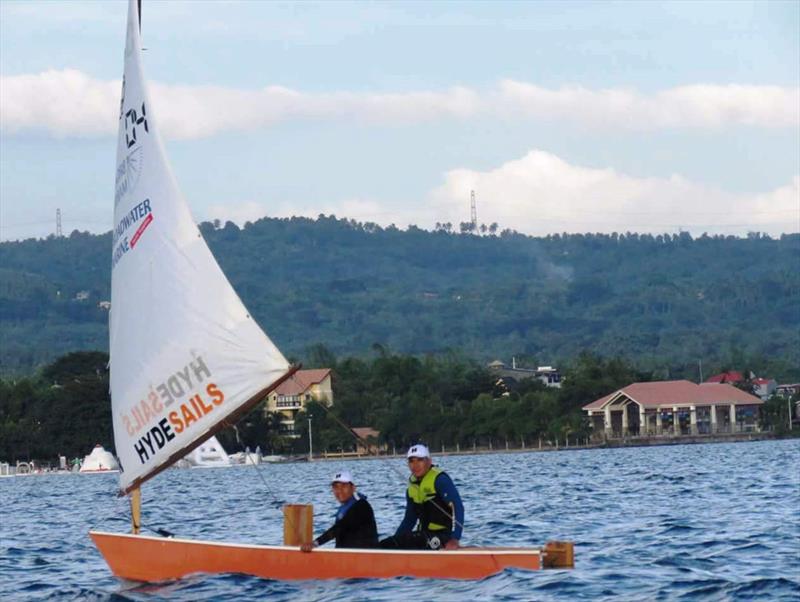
x=143, y=558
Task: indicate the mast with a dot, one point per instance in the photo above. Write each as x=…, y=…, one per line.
x=136, y=510
x=136, y=494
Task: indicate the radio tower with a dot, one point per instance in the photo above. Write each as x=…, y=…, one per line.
x=59, y=233
x=473, y=211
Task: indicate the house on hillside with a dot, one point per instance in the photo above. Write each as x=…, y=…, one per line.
x=788, y=391
x=730, y=377
x=294, y=393
x=509, y=376
x=676, y=407
x=764, y=387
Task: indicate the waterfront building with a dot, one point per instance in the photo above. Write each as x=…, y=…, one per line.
x=294, y=393
x=370, y=435
x=676, y=408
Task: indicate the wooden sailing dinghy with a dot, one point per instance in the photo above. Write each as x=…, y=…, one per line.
x=143, y=558
x=187, y=360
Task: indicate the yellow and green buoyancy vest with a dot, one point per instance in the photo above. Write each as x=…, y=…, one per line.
x=433, y=512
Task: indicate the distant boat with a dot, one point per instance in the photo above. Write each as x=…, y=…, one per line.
x=246, y=457
x=187, y=359
x=273, y=459
x=99, y=460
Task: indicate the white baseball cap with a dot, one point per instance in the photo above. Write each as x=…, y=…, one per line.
x=418, y=451
x=343, y=476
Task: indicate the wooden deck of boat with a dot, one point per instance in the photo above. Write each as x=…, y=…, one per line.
x=144, y=558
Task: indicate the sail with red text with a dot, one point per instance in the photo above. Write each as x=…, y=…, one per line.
x=186, y=355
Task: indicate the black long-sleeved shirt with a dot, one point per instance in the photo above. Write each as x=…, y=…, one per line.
x=356, y=529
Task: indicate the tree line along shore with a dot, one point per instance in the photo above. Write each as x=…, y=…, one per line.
x=449, y=401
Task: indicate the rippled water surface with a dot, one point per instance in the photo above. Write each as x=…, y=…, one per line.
x=689, y=522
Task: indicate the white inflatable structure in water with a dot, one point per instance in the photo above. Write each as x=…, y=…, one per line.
x=99, y=460
x=210, y=454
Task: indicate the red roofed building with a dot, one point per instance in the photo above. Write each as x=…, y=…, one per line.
x=676, y=407
x=292, y=395
x=731, y=377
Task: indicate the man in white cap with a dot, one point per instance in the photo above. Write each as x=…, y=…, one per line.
x=355, y=522
x=433, y=505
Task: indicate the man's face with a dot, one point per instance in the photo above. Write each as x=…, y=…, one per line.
x=419, y=466
x=343, y=491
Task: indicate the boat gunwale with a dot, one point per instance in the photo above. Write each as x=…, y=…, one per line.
x=465, y=551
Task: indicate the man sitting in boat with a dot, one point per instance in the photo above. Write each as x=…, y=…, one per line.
x=432, y=503
x=355, y=522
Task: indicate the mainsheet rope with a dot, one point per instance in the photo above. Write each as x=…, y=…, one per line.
x=277, y=503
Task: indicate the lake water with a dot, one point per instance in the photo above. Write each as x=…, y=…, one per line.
x=688, y=522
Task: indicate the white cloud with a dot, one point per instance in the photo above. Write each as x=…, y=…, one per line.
x=695, y=106
x=70, y=103
x=61, y=103
x=540, y=193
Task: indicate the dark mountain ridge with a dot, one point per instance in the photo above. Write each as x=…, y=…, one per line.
x=662, y=301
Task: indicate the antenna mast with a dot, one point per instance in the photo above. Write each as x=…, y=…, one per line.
x=473, y=211
x=59, y=233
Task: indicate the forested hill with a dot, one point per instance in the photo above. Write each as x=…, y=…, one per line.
x=662, y=301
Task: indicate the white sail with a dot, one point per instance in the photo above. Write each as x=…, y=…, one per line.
x=185, y=353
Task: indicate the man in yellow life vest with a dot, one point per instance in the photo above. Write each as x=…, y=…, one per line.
x=432, y=505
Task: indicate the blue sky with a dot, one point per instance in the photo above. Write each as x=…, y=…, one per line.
x=568, y=116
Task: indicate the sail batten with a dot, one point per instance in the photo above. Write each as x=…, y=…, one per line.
x=186, y=357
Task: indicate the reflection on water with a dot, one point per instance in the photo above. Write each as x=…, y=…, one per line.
x=705, y=522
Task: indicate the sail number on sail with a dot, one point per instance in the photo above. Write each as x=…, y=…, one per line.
x=184, y=384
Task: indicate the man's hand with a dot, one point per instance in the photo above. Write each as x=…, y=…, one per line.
x=452, y=544
x=307, y=547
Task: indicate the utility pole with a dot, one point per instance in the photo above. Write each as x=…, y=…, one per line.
x=700, y=365
x=310, y=444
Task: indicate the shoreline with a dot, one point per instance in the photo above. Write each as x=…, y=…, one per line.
x=477, y=451
x=610, y=444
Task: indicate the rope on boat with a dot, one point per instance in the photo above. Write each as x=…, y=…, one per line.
x=277, y=503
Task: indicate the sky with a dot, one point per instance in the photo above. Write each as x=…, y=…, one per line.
x=654, y=117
